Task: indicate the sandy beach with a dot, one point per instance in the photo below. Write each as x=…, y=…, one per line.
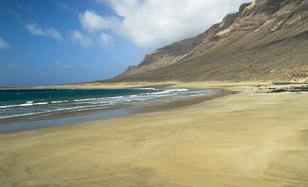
x=251, y=138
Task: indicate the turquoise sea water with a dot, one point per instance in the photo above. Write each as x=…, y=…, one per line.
x=45, y=102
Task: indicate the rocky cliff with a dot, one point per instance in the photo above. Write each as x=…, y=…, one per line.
x=264, y=40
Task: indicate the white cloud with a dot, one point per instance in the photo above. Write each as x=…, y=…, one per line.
x=33, y=29
x=49, y=32
x=93, y=22
x=81, y=38
x=4, y=44
x=106, y=40
x=158, y=22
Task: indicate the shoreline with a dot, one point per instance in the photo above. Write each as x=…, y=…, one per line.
x=21, y=124
x=252, y=138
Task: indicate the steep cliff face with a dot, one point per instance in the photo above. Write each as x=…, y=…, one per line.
x=265, y=40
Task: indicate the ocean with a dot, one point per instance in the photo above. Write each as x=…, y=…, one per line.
x=37, y=103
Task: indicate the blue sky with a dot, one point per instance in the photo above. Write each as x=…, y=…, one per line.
x=65, y=41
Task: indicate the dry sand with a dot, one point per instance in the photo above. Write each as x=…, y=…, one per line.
x=246, y=139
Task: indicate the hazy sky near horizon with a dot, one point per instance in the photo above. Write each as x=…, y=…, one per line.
x=65, y=41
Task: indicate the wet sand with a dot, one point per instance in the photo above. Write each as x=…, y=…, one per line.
x=244, y=139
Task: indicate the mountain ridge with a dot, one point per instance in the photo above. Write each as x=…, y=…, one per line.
x=264, y=40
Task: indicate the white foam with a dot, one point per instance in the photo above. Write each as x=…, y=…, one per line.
x=169, y=91
x=28, y=103
x=116, y=97
x=147, y=89
x=91, y=99
x=55, y=102
x=17, y=115
x=42, y=103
